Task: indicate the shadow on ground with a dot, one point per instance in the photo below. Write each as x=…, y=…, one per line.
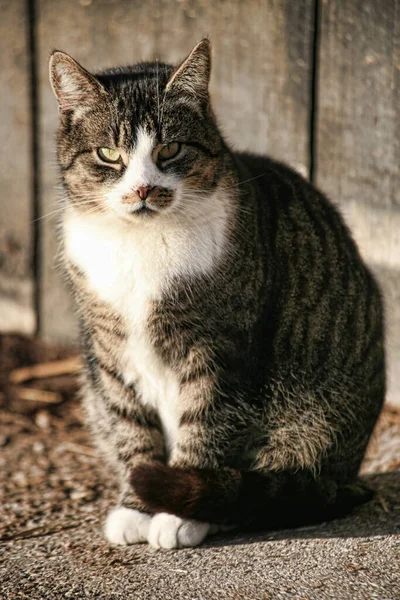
x=379, y=517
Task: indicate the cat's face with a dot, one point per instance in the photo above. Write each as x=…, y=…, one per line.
x=141, y=141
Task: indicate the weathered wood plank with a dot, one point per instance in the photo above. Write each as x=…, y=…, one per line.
x=358, y=137
x=389, y=280
x=16, y=227
x=260, y=81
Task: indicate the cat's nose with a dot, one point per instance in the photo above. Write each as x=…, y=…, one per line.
x=143, y=192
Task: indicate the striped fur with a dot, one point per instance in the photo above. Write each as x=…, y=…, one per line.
x=232, y=335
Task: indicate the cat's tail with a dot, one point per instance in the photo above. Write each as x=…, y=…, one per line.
x=247, y=499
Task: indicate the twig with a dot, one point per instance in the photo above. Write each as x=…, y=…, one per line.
x=14, y=419
x=35, y=395
x=40, y=531
x=383, y=503
x=47, y=369
x=77, y=449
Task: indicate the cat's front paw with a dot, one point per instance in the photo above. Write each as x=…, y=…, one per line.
x=168, y=531
x=127, y=526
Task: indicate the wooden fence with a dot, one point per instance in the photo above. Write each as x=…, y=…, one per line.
x=312, y=82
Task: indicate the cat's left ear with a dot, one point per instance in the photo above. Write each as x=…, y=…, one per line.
x=74, y=87
x=191, y=79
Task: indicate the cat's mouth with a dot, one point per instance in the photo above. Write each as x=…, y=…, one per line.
x=152, y=201
x=143, y=210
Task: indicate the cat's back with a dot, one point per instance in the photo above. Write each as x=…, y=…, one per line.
x=302, y=221
x=280, y=186
x=326, y=305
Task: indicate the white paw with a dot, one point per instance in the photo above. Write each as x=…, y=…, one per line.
x=169, y=531
x=126, y=526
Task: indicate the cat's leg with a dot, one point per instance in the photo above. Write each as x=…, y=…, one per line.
x=276, y=491
x=126, y=440
x=196, y=445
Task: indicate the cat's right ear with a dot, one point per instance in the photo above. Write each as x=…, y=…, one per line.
x=73, y=86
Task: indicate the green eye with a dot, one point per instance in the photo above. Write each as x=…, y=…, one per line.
x=109, y=155
x=169, y=150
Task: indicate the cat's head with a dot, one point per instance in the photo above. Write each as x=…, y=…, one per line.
x=139, y=141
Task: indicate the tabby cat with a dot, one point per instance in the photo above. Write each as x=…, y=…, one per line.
x=232, y=335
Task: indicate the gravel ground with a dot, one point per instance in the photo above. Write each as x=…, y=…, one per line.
x=54, y=494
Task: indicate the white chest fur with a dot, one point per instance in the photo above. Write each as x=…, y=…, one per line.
x=128, y=266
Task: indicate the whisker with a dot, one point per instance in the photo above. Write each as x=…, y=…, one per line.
x=158, y=93
x=246, y=181
x=48, y=215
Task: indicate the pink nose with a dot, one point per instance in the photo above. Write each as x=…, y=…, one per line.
x=143, y=192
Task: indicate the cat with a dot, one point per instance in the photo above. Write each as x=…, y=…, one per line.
x=232, y=336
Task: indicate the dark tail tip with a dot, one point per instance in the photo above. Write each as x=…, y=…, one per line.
x=168, y=489
x=200, y=494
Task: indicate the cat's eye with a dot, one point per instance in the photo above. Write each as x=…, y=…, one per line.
x=109, y=155
x=169, y=150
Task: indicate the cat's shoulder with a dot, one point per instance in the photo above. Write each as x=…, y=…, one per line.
x=289, y=186
x=266, y=170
